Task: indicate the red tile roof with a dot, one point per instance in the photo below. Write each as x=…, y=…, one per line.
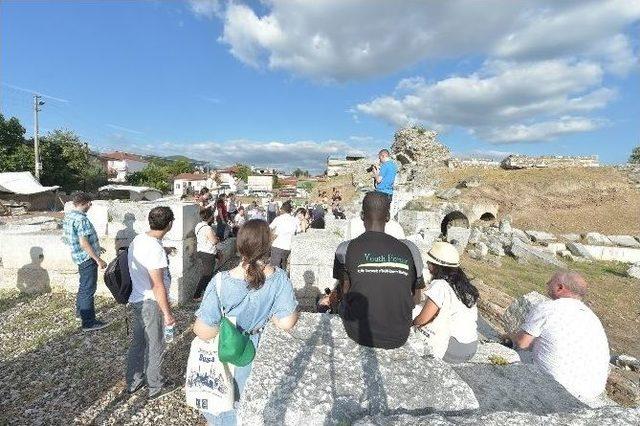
x=192, y=176
x=118, y=155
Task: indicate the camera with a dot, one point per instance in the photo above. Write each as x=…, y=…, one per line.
x=371, y=167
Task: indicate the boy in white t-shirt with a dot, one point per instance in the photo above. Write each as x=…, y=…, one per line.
x=149, y=303
x=567, y=338
x=284, y=227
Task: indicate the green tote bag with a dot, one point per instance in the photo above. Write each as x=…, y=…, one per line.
x=234, y=346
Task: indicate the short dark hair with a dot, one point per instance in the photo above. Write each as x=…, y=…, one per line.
x=384, y=151
x=206, y=213
x=286, y=206
x=81, y=198
x=204, y=190
x=160, y=217
x=375, y=206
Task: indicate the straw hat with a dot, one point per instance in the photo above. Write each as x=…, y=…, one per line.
x=444, y=254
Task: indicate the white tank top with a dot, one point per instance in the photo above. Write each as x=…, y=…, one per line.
x=204, y=244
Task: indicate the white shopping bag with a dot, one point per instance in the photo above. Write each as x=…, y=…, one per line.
x=209, y=385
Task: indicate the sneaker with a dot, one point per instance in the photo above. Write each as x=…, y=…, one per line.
x=96, y=325
x=136, y=389
x=167, y=389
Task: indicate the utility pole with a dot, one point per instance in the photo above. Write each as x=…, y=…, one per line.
x=37, y=103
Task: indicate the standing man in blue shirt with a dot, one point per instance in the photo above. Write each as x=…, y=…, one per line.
x=80, y=234
x=385, y=174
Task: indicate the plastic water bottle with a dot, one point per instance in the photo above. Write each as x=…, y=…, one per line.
x=169, y=333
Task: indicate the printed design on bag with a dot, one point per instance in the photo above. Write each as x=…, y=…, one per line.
x=207, y=378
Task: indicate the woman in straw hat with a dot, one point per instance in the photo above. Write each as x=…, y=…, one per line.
x=449, y=317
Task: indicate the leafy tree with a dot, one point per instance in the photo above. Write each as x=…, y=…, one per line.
x=67, y=161
x=300, y=173
x=307, y=185
x=277, y=183
x=15, y=153
x=635, y=155
x=243, y=171
x=174, y=168
x=153, y=175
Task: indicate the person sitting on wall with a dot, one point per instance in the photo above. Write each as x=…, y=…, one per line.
x=449, y=317
x=567, y=338
x=379, y=281
x=317, y=217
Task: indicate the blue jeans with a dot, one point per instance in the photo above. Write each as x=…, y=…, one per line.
x=88, y=282
x=228, y=418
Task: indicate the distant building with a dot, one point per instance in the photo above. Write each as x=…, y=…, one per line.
x=259, y=183
x=193, y=182
x=227, y=179
x=122, y=164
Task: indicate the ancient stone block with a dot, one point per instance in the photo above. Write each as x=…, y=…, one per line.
x=517, y=312
x=597, y=239
x=326, y=378
x=540, y=236
x=448, y=194
x=459, y=237
x=528, y=253
x=554, y=248
x=624, y=241
x=634, y=271
x=617, y=254
x=571, y=237
x=578, y=249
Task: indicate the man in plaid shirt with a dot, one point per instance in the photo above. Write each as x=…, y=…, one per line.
x=80, y=234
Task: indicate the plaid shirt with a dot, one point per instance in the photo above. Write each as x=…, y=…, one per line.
x=76, y=225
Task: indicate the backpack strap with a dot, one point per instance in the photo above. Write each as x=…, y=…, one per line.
x=218, y=284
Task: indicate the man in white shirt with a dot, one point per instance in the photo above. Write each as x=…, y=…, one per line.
x=567, y=338
x=149, y=302
x=284, y=227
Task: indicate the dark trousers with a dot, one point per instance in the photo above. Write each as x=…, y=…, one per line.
x=279, y=258
x=208, y=265
x=88, y=271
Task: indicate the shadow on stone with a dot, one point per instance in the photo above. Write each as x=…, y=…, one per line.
x=32, y=278
x=516, y=387
x=126, y=235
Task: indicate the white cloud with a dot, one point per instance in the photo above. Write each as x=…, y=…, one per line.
x=310, y=155
x=502, y=98
x=205, y=8
x=353, y=39
x=540, y=131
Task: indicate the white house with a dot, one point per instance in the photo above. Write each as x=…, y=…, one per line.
x=122, y=164
x=193, y=182
x=227, y=180
x=260, y=183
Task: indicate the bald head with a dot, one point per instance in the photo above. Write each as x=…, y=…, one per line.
x=567, y=284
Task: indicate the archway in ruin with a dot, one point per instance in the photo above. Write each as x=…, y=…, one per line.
x=487, y=218
x=455, y=218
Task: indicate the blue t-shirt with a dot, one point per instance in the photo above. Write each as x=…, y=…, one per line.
x=388, y=171
x=252, y=308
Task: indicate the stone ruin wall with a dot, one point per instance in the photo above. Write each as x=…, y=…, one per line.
x=34, y=258
x=527, y=162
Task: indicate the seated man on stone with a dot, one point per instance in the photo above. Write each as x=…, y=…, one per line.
x=567, y=338
x=379, y=280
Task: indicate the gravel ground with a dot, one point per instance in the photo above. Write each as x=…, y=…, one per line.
x=53, y=373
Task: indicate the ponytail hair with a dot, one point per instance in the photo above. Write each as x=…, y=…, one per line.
x=466, y=292
x=254, y=246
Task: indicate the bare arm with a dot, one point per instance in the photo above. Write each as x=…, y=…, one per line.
x=204, y=331
x=211, y=236
x=84, y=244
x=427, y=314
x=160, y=294
x=522, y=339
x=287, y=322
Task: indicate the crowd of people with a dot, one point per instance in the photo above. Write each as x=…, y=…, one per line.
x=385, y=292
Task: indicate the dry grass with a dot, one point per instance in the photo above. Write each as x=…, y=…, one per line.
x=614, y=297
x=557, y=200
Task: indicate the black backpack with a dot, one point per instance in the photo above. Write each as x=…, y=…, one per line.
x=117, y=278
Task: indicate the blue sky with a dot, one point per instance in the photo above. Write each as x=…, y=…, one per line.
x=286, y=83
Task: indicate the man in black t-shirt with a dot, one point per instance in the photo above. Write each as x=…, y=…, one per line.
x=379, y=278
